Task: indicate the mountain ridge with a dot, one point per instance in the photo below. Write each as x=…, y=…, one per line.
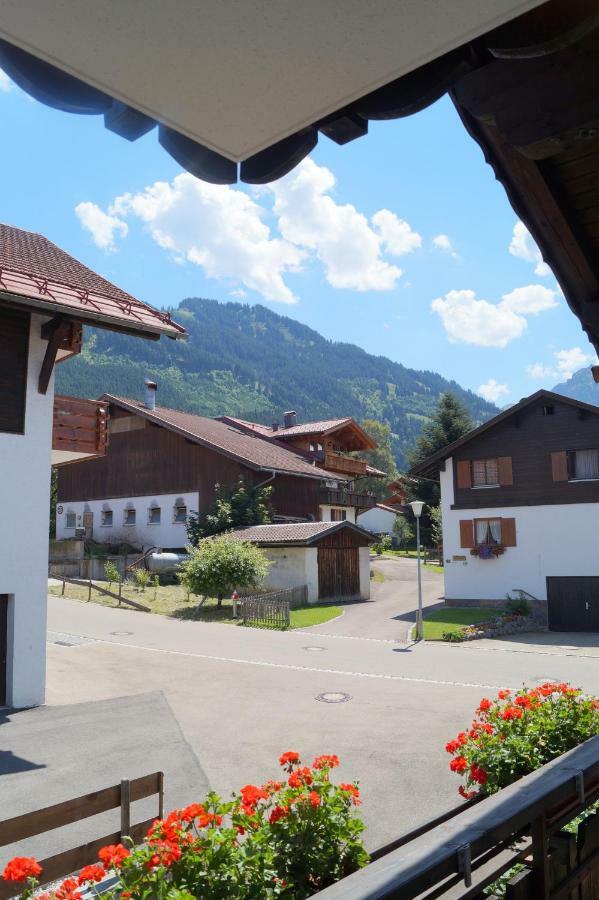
x=251, y=362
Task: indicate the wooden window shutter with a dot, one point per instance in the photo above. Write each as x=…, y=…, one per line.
x=466, y=533
x=464, y=473
x=504, y=468
x=14, y=346
x=508, y=532
x=559, y=466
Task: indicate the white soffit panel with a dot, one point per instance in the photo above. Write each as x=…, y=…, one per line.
x=240, y=75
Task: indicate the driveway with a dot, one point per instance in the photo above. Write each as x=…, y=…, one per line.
x=391, y=611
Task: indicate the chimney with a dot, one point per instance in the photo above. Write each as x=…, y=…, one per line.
x=150, y=394
x=290, y=418
x=275, y=426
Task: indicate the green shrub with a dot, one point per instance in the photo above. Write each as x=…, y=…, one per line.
x=218, y=566
x=141, y=578
x=111, y=573
x=518, y=606
x=453, y=636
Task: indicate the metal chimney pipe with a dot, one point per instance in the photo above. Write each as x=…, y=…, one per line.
x=150, y=394
x=290, y=418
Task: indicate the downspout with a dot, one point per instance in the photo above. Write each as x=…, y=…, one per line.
x=270, y=478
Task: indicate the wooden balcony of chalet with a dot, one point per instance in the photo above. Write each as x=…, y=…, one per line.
x=334, y=461
x=338, y=497
x=79, y=430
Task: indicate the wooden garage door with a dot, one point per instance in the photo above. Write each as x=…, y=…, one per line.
x=573, y=603
x=338, y=572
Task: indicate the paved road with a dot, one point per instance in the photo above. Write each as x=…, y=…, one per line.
x=391, y=611
x=241, y=696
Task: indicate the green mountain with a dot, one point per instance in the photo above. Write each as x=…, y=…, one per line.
x=580, y=387
x=251, y=362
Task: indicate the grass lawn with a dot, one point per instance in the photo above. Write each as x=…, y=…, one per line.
x=378, y=576
x=411, y=554
x=171, y=600
x=454, y=618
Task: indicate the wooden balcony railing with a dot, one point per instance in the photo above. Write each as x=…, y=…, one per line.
x=340, y=462
x=331, y=497
x=80, y=428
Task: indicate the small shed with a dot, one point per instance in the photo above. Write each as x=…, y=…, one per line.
x=331, y=558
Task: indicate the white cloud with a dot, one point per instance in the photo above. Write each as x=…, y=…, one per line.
x=523, y=246
x=239, y=293
x=443, y=242
x=218, y=228
x=468, y=320
x=529, y=300
x=349, y=247
x=225, y=232
x=567, y=362
x=102, y=227
x=492, y=390
x=5, y=82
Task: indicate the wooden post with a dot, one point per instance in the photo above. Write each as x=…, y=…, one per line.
x=160, y=795
x=64, y=584
x=120, y=588
x=89, y=591
x=540, y=851
x=125, y=808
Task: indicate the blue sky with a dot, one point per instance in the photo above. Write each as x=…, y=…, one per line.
x=398, y=242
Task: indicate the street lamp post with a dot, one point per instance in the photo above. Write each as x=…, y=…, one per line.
x=417, y=506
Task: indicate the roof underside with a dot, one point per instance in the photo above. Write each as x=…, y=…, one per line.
x=35, y=272
x=251, y=450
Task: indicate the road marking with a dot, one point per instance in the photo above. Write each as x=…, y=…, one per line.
x=347, y=637
x=297, y=668
x=534, y=650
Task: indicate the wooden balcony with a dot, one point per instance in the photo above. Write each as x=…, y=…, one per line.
x=331, y=497
x=341, y=462
x=80, y=429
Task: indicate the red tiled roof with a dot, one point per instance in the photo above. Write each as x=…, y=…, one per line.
x=252, y=450
x=293, y=430
x=293, y=532
x=35, y=269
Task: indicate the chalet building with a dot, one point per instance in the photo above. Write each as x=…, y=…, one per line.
x=520, y=505
x=381, y=518
x=162, y=464
x=45, y=297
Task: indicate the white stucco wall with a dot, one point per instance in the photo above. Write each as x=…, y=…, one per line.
x=379, y=521
x=293, y=567
x=550, y=540
x=166, y=534
x=25, y=501
x=364, y=560
x=325, y=512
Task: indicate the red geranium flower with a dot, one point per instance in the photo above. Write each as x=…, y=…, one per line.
x=478, y=774
x=511, y=712
x=289, y=758
x=68, y=890
x=326, y=761
x=300, y=777
x=484, y=705
x=504, y=694
x=467, y=795
x=113, y=855
x=250, y=794
x=353, y=790
x=459, y=764
x=21, y=868
x=314, y=799
x=90, y=873
x=279, y=812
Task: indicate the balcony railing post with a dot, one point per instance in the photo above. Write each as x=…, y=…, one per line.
x=540, y=856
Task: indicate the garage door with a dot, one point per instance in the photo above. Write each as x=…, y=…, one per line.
x=338, y=572
x=573, y=603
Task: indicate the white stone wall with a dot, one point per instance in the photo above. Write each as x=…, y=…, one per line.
x=25, y=501
x=551, y=540
x=293, y=567
x=167, y=534
x=379, y=521
x=325, y=512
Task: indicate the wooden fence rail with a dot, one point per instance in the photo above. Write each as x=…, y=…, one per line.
x=92, y=586
x=458, y=858
x=264, y=611
x=39, y=822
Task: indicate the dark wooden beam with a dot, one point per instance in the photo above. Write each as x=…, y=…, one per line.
x=56, y=331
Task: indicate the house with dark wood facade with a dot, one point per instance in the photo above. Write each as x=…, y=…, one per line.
x=162, y=464
x=45, y=297
x=520, y=504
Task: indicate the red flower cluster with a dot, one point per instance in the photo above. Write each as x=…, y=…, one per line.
x=290, y=758
x=21, y=868
x=326, y=761
x=279, y=812
x=113, y=855
x=458, y=764
x=353, y=790
x=300, y=777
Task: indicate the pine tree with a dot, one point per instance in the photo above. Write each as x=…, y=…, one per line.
x=380, y=458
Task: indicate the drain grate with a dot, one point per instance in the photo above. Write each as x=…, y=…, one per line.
x=333, y=697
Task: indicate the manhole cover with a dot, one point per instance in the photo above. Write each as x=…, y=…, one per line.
x=314, y=649
x=333, y=697
x=121, y=633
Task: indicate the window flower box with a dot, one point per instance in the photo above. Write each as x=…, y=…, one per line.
x=487, y=551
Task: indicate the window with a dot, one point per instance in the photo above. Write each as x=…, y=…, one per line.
x=338, y=515
x=549, y=410
x=107, y=518
x=583, y=465
x=485, y=473
x=487, y=531
x=14, y=346
x=71, y=520
x=154, y=515
x=129, y=516
x=180, y=513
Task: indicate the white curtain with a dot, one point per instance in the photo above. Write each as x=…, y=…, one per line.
x=482, y=528
x=495, y=529
x=587, y=464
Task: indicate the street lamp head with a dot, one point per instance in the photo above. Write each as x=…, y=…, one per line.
x=417, y=507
